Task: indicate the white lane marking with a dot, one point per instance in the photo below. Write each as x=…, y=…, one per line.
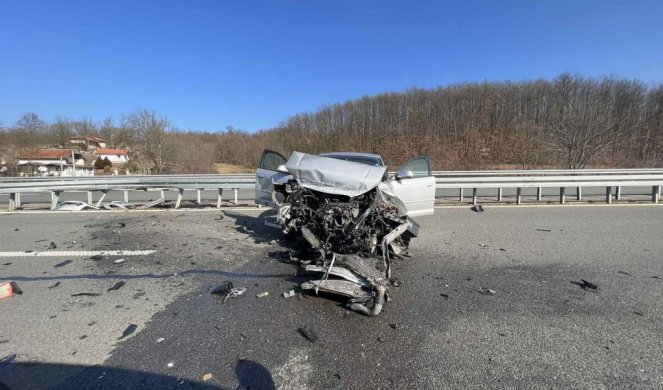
x=75, y=253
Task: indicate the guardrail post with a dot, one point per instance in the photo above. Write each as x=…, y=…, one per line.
x=618, y=193
x=102, y=197
x=180, y=191
x=55, y=196
x=519, y=195
x=198, y=196
x=578, y=193
x=460, y=196
x=655, y=194
x=218, y=199
x=89, y=197
x=12, y=202
x=562, y=195
x=499, y=194
x=474, y=196
x=608, y=195
x=163, y=194
x=126, y=196
x=539, y=194
x=18, y=199
x=235, y=192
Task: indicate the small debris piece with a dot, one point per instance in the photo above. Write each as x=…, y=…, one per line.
x=117, y=286
x=11, y=264
x=262, y=294
x=7, y=359
x=587, y=286
x=223, y=288
x=483, y=245
x=130, y=329
x=207, y=377
x=16, y=229
x=169, y=365
x=653, y=277
x=638, y=313
x=237, y=291
x=9, y=289
x=52, y=245
x=381, y=339
x=289, y=294
x=393, y=326
x=486, y=291
x=242, y=337
x=219, y=218
x=477, y=208
x=543, y=230
x=91, y=323
x=444, y=295
x=54, y=285
x=308, y=333
x=85, y=294
x=118, y=261
x=623, y=273
x=58, y=265
x=160, y=340
x=503, y=250
x=96, y=257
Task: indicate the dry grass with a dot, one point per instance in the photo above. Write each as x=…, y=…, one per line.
x=230, y=168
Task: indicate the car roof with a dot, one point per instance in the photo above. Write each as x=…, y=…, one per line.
x=357, y=154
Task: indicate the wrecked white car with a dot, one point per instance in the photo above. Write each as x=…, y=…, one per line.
x=354, y=216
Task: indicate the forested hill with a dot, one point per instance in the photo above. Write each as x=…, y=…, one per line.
x=567, y=122
x=570, y=122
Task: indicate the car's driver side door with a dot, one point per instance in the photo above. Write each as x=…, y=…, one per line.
x=268, y=168
x=414, y=185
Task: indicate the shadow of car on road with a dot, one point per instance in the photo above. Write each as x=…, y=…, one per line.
x=20, y=375
x=255, y=226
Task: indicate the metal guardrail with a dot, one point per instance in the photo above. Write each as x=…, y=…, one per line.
x=460, y=180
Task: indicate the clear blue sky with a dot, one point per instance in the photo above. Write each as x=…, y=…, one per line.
x=251, y=64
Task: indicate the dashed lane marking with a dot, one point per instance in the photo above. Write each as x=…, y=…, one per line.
x=75, y=253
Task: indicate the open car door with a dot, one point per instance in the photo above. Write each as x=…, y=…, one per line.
x=268, y=168
x=414, y=185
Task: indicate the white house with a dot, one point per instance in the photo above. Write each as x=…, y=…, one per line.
x=53, y=162
x=115, y=156
x=88, y=142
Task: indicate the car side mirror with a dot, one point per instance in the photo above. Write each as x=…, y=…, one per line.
x=281, y=168
x=404, y=174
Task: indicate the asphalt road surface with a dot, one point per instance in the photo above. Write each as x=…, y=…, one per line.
x=539, y=329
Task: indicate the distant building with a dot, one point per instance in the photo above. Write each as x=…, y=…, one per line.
x=87, y=142
x=115, y=156
x=53, y=162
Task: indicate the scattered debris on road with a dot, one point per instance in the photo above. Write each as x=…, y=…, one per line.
x=262, y=294
x=118, y=261
x=127, y=332
x=170, y=365
x=85, y=294
x=62, y=264
x=223, y=288
x=207, y=377
x=54, y=285
x=289, y=294
x=96, y=257
x=638, y=313
x=308, y=333
x=117, y=286
x=160, y=340
x=52, y=245
x=486, y=291
x=623, y=273
x=587, y=286
x=543, y=230
x=9, y=289
x=477, y=208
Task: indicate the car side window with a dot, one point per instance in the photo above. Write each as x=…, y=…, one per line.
x=271, y=161
x=419, y=166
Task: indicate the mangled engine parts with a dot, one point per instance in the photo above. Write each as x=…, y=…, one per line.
x=354, y=240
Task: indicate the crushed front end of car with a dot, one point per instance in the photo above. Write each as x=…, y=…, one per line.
x=352, y=222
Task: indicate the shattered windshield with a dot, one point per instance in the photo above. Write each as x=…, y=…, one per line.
x=374, y=161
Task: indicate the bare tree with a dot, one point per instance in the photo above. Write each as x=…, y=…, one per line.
x=30, y=122
x=152, y=130
x=61, y=131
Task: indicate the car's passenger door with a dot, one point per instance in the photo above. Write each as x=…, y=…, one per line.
x=414, y=185
x=269, y=163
